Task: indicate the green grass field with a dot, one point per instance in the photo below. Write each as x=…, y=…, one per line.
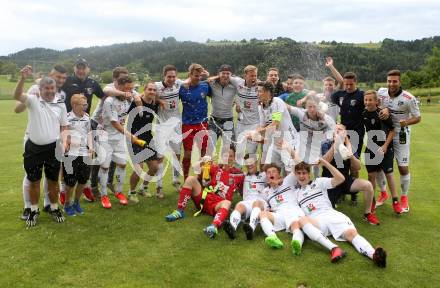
x=133, y=246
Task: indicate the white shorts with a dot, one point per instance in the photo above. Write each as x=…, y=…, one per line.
x=272, y=155
x=333, y=223
x=114, y=151
x=401, y=151
x=168, y=135
x=284, y=217
x=245, y=146
x=248, y=205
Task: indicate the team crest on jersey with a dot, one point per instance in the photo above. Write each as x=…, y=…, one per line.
x=400, y=103
x=341, y=99
x=373, y=121
x=89, y=91
x=279, y=198
x=231, y=181
x=353, y=102
x=311, y=207
x=203, y=95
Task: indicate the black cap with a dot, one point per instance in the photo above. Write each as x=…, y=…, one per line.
x=81, y=62
x=225, y=67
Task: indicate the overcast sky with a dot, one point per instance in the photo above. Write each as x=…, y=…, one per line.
x=82, y=23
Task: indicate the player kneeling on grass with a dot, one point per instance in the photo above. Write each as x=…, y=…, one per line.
x=313, y=199
x=115, y=111
x=285, y=214
x=212, y=194
x=75, y=168
x=374, y=125
x=254, y=201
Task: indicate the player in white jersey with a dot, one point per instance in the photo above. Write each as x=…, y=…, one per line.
x=254, y=201
x=280, y=128
x=110, y=90
x=76, y=170
x=59, y=74
x=246, y=105
x=404, y=111
x=170, y=118
x=313, y=199
x=285, y=214
x=315, y=129
x=115, y=111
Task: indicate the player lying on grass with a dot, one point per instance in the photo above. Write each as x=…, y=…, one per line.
x=285, y=214
x=212, y=194
x=312, y=197
x=254, y=201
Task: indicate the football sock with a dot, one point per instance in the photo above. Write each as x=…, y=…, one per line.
x=298, y=235
x=26, y=198
x=120, y=177
x=159, y=175
x=184, y=196
x=235, y=219
x=267, y=227
x=381, y=181
x=404, y=184
x=255, y=216
x=315, y=234
x=46, y=192
x=220, y=216
x=362, y=246
x=103, y=177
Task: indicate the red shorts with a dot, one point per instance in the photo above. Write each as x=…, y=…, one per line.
x=211, y=201
x=188, y=141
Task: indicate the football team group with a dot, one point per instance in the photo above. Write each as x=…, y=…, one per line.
x=290, y=153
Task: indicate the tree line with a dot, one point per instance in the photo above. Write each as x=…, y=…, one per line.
x=417, y=58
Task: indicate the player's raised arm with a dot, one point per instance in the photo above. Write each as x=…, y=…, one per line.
x=338, y=178
x=25, y=72
x=335, y=72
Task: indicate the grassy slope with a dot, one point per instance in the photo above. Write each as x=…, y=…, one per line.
x=134, y=247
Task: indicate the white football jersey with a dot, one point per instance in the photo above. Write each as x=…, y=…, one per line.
x=114, y=109
x=283, y=196
x=79, y=129
x=171, y=96
x=313, y=198
x=247, y=100
x=401, y=107
x=253, y=186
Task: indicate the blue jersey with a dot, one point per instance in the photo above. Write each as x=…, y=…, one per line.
x=195, y=106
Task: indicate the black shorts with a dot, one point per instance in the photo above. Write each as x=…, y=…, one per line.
x=146, y=153
x=386, y=165
x=36, y=157
x=221, y=126
x=76, y=171
x=336, y=193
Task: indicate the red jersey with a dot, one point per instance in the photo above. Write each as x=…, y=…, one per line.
x=226, y=181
